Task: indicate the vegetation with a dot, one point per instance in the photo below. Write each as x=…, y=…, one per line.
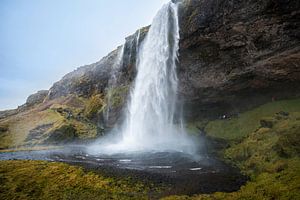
x=66, y=118
x=49, y=180
x=116, y=96
x=94, y=105
x=264, y=143
x=238, y=127
x=267, y=151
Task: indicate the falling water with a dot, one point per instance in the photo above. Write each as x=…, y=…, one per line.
x=114, y=77
x=149, y=124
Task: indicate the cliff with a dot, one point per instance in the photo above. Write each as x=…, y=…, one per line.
x=234, y=55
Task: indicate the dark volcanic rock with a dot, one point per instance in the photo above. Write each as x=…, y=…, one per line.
x=237, y=54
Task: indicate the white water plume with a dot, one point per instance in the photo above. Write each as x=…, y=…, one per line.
x=149, y=124
x=114, y=77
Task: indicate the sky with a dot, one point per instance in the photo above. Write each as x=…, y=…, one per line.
x=42, y=40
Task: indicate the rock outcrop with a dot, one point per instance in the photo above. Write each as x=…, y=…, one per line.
x=36, y=98
x=235, y=55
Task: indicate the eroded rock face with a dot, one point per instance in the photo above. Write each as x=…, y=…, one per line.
x=235, y=55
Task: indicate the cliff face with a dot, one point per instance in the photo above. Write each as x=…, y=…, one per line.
x=234, y=55
x=94, y=79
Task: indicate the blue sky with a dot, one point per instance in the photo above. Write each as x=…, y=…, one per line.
x=42, y=40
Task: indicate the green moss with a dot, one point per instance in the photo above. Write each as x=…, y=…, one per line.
x=263, y=148
x=238, y=127
x=267, y=149
x=48, y=180
x=196, y=126
x=64, y=111
x=116, y=96
x=6, y=140
x=94, y=105
x=63, y=134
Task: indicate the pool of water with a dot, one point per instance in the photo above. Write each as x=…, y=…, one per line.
x=184, y=173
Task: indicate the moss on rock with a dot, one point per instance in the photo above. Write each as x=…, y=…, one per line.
x=63, y=134
x=94, y=105
x=116, y=96
x=238, y=127
x=49, y=180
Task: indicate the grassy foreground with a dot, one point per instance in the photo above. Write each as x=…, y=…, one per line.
x=49, y=180
x=264, y=143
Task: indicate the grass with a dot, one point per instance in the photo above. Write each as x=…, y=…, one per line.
x=49, y=180
x=94, y=105
x=20, y=125
x=62, y=112
x=268, y=154
x=264, y=144
x=237, y=128
x=266, y=149
x=116, y=96
x=31, y=148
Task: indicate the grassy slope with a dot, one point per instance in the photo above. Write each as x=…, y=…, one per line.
x=48, y=180
x=55, y=112
x=20, y=125
x=70, y=111
x=238, y=127
x=269, y=155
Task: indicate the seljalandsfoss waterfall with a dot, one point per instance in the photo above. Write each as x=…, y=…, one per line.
x=150, y=123
x=203, y=103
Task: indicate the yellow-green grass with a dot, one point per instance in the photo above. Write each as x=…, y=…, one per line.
x=267, y=149
x=116, y=96
x=31, y=148
x=20, y=125
x=52, y=112
x=238, y=127
x=49, y=180
x=268, y=155
x=94, y=105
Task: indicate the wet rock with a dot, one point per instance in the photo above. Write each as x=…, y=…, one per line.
x=267, y=122
x=64, y=134
x=283, y=113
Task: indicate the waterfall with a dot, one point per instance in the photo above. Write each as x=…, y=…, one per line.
x=112, y=82
x=149, y=124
